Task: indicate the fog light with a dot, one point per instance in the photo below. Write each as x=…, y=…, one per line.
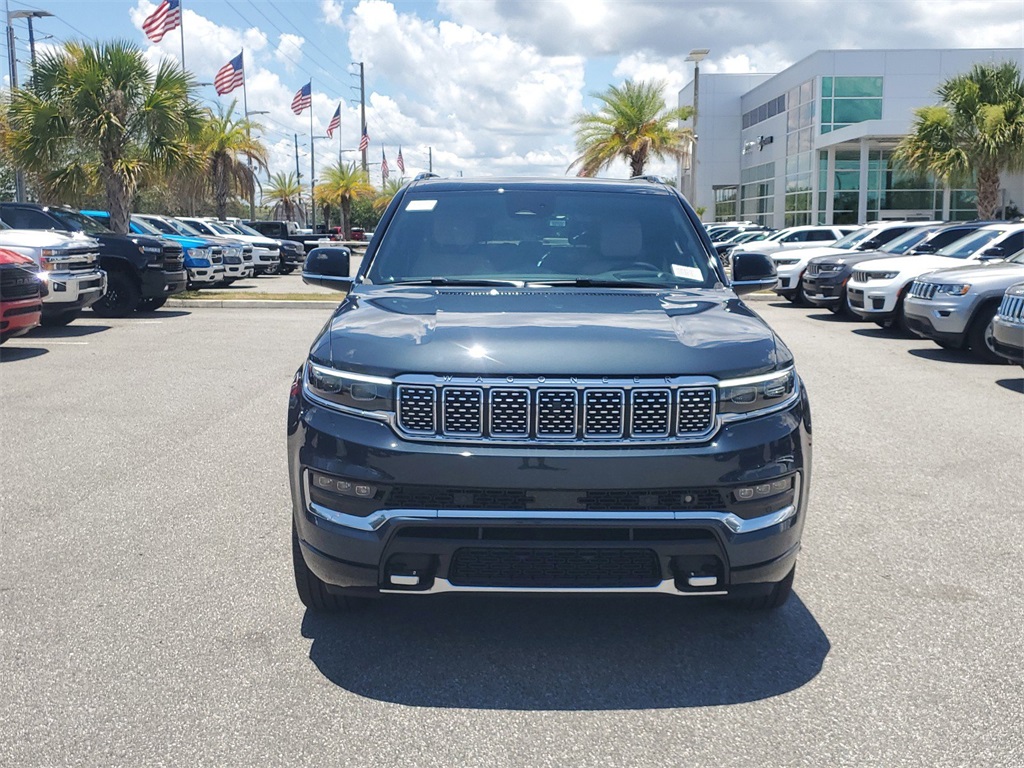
x=763, y=490
x=344, y=487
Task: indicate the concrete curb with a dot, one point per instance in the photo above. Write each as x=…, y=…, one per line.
x=274, y=304
x=250, y=304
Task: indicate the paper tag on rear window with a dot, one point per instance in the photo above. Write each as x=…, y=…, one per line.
x=687, y=273
x=421, y=205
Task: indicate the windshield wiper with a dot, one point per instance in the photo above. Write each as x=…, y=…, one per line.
x=458, y=281
x=588, y=282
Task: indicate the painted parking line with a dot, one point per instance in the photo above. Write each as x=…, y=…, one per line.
x=27, y=343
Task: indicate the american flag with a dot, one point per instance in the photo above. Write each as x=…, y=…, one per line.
x=303, y=98
x=230, y=76
x=364, y=142
x=166, y=17
x=385, y=172
x=335, y=122
x=401, y=162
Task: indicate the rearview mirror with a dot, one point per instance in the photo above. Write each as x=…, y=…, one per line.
x=328, y=268
x=995, y=252
x=752, y=272
x=923, y=248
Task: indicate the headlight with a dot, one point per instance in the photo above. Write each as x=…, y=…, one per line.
x=786, y=262
x=354, y=391
x=756, y=393
x=954, y=290
x=882, y=275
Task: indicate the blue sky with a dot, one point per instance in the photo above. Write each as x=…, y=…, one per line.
x=491, y=86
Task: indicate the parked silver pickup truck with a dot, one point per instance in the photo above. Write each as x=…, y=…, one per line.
x=67, y=262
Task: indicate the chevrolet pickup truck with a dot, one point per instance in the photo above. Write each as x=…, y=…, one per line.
x=536, y=386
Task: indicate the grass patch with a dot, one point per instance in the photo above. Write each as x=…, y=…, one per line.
x=229, y=295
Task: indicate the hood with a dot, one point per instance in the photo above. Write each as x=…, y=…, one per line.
x=805, y=254
x=490, y=332
x=925, y=262
x=852, y=258
x=977, y=272
x=188, y=242
x=44, y=238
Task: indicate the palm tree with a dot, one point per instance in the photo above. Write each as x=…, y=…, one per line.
x=385, y=196
x=101, y=118
x=976, y=132
x=633, y=124
x=230, y=154
x=285, y=192
x=341, y=184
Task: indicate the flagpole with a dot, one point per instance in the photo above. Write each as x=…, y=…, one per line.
x=181, y=29
x=248, y=138
x=312, y=160
x=339, y=136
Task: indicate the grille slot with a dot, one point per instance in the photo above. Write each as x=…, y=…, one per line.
x=518, y=499
x=416, y=411
x=463, y=412
x=603, y=412
x=18, y=282
x=556, y=413
x=510, y=413
x=651, y=410
x=552, y=568
x=696, y=411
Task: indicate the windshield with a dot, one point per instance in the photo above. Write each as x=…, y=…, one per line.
x=181, y=228
x=145, y=228
x=247, y=230
x=906, y=241
x=158, y=224
x=76, y=222
x=220, y=229
x=543, y=236
x=965, y=246
x=853, y=238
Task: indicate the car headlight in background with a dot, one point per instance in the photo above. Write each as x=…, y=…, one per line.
x=954, y=290
x=786, y=262
x=757, y=393
x=351, y=391
x=882, y=275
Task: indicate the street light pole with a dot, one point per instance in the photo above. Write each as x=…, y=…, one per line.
x=19, y=174
x=696, y=56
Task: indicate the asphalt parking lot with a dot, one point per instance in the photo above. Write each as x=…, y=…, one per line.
x=148, y=615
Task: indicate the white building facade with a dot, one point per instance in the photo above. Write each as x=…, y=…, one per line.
x=813, y=144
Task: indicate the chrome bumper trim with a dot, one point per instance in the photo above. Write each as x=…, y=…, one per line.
x=667, y=587
x=734, y=524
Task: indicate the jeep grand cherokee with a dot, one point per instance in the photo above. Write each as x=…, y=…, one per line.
x=545, y=386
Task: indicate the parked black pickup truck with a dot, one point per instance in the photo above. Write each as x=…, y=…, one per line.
x=141, y=271
x=545, y=386
x=286, y=230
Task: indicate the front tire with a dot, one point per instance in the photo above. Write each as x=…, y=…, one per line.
x=151, y=305
x=121, y=298
x=312, y=591
x=979, y=337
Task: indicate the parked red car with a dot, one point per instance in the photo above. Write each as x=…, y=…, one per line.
x=21, y=294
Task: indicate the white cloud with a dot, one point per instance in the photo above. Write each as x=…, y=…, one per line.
x=332, y=12
x=289, y=50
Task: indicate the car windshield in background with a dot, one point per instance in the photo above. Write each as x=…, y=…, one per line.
x=966, y=246
x=159, y=225
x=220, y=229
x=853, y=238
x=76, y=222
x=146, y=228
x=906, y=241
x=543, y=236
x=247, y=230
x=184, y=229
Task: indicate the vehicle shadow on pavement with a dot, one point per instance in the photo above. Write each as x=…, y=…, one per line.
x=960, y=357
x=161, y=314
x=1014, y=385
x=559, y=653
x=79, y=329
x=829, y=317
x=13, y=354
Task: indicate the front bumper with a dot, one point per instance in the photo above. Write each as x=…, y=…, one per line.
x=789, y=278
x=158, y=283
x=1008, y=339
x=19, y=316
x=359, y=549
x=69, y=291
x=824, y=289
x=234, y=271
x=940, y=319
x=874, y=300
x=206, y=275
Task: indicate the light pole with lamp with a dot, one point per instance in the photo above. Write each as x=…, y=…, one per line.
x=19, y=175
x=696, y=56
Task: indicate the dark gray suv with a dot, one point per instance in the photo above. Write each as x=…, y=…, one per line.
x=546, y=386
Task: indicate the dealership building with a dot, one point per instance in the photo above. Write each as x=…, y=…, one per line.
x=813, y=144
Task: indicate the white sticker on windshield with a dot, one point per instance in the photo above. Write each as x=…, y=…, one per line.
x=421, y=205
x=688, y=273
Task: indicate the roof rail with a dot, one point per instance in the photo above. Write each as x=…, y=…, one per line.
x=425, y=175
x=651, y=178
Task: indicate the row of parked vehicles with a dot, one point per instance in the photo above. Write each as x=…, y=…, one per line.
x=67, y=261
x=960, y=284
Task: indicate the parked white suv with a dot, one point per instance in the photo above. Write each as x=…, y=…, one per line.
x=790, y=264
x=876, y=291
x=796, y=237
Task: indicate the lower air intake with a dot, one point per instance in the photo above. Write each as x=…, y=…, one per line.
x=554, y=568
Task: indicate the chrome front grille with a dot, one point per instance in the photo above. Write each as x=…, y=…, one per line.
x=587, y=412
x=812, y=269
x=921, y=290
x=1012, y=308
x=860, y=276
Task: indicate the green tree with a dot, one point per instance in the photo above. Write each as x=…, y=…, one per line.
x=633, y=124
x=284, y=192
x=101, y=118
x=386, y=195
x=341, y=184
x=231, y=156
x=975, y=133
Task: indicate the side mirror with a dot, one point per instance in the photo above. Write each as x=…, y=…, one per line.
x=328, y=268
x=870, y=244
x=752, y=272
x=995, y=252
x=923, y=248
